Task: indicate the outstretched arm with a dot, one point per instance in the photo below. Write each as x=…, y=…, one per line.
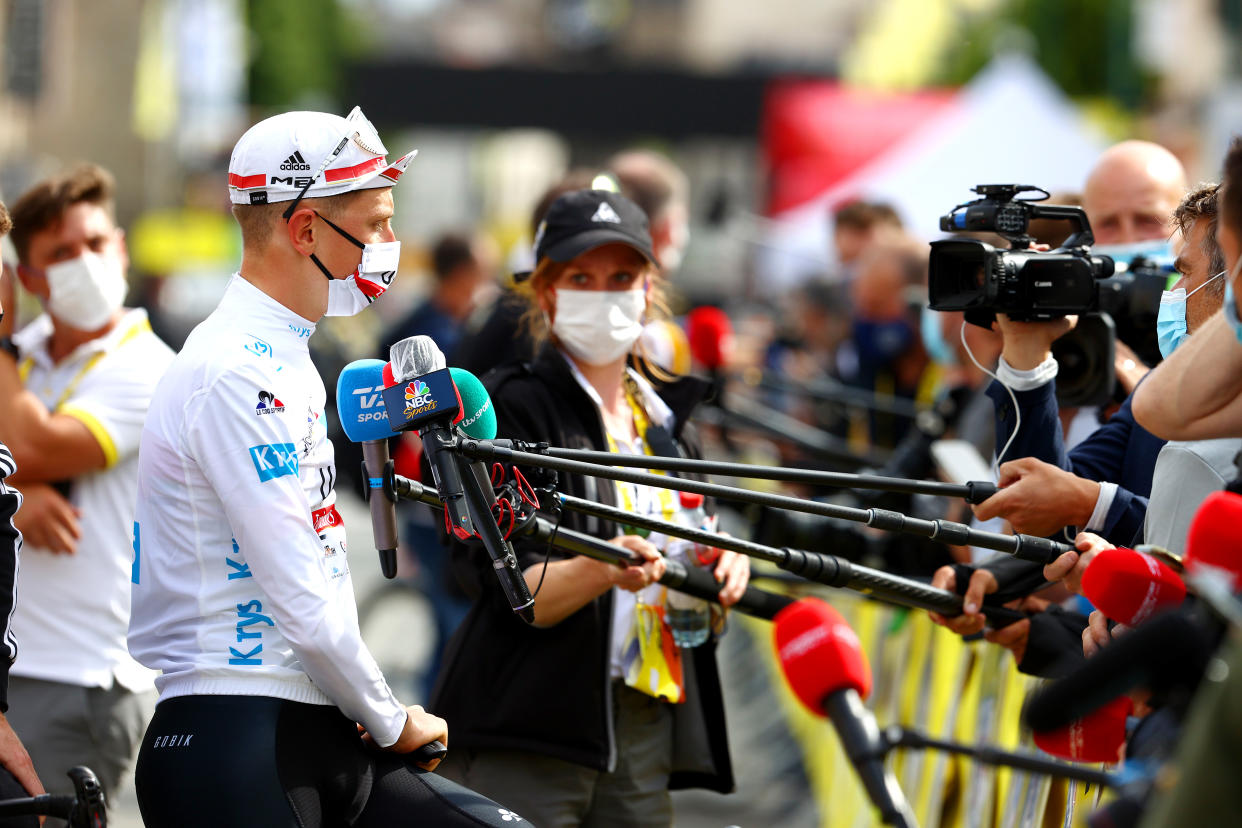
x=1195, y=394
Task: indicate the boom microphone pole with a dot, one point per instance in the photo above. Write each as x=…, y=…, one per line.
x=1026, y=547
x=975, y=491
x=754, y=416
x=896, y=736
x=819, y=567
x=828, y=390
x=691, y=580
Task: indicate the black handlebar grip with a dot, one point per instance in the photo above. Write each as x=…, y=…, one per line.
x=430, y=752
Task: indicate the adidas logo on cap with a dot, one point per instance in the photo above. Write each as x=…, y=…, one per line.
x=605, y=213
x=295, y=162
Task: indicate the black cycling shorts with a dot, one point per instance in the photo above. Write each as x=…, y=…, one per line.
x=219, y=761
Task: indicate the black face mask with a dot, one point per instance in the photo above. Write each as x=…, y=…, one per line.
x=347, y=237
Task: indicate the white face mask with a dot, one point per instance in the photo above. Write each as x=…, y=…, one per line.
x=86, y=291
x=599, y=326
x=378, y=269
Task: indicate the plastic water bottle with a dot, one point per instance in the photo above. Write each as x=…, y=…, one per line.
x=689, y=618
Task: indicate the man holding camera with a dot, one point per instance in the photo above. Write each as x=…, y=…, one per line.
x=1104, y=482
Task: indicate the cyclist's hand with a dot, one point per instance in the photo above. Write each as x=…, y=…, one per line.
x=421, y=728
x=16, y=760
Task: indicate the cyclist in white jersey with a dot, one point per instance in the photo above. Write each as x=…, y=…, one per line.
x=242, y=595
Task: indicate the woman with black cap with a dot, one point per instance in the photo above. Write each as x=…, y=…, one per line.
x=584, y=718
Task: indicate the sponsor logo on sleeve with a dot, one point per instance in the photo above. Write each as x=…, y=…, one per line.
x=258, y=347
x=268, y=404
x=273, y=461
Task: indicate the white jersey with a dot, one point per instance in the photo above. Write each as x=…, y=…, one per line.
x=241, y=578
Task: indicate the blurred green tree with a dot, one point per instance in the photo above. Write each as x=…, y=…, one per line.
x=1086, y=46
x=298, y=51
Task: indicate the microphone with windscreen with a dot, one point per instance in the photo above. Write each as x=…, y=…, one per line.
x=1130, y=587
x=415, y=356
x=710, y=336
x=1167, y=654
x=1214, y=541
x=478, y=414
x=359, y=405
x=426, y=398
x=826, y=669
x=1098, y=736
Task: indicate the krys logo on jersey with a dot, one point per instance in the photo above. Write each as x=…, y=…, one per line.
x=429, y=397
x=273, y=461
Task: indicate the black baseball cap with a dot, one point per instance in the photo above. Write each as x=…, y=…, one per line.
x=583, y=220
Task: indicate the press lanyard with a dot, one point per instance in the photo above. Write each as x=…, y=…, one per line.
x=23, y=370
x=627, y=491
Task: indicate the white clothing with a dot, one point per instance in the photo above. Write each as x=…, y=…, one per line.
x=73, y=610
x=1185, y=474
x=242, y=584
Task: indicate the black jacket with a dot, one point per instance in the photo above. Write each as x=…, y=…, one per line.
x=511, y=686
x=10, y=549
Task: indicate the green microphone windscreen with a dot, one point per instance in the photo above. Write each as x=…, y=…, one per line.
x=479, y=421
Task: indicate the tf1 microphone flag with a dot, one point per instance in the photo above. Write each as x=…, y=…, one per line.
x=361, y=409
x=359, y=401
x=1129, y=586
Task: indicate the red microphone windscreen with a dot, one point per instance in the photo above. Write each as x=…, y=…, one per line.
x=461, y=409
x=1096, y=737
x=387, y=376
x=819, y=653
x=710, y=334
x=1129, y=586
x=1213, y=539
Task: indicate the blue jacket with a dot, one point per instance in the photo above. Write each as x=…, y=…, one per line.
x=1120, y=451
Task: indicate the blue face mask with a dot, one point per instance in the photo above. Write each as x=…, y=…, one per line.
x=1231, y=306
x=933, y=338
x=1171, y=328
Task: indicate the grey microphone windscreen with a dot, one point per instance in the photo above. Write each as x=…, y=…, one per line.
x=415, y=356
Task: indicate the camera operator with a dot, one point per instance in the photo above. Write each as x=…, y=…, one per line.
x=1186, y=472
x=1103, y=483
